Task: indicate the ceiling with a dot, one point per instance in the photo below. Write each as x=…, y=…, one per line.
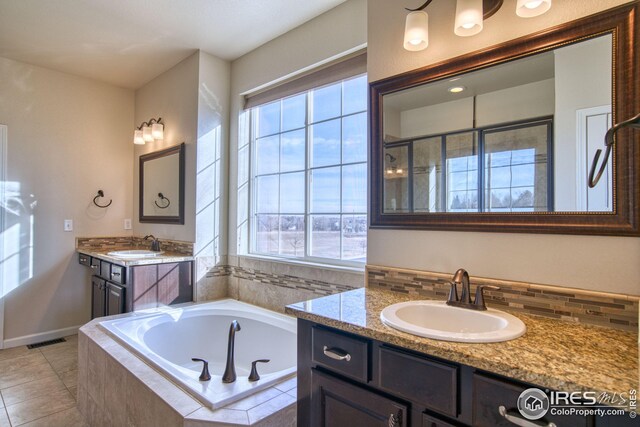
x=515, y=73
x=129, y=42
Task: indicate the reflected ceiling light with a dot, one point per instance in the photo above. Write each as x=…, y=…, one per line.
x=532, y=8
x=456, y=89
x=469, y=19
x=149, y=131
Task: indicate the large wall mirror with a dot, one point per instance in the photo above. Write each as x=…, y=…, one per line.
x=503, y=139
x=162, y=186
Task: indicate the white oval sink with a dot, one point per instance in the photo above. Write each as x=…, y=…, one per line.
x=134, y=253
x=435, y=319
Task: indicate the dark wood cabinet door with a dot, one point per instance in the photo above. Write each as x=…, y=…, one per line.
x=98, y=297
x=336, y=403
x=115, y=299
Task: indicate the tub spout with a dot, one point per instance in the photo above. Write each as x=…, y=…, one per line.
x=230, y=370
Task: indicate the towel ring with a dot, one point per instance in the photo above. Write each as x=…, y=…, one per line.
x=162, y=198
x=101, y=194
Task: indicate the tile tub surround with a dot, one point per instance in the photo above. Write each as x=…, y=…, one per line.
x=569, y=304
x=107, y=244
x=272, y=283
x=556, y=354
x=117, y=388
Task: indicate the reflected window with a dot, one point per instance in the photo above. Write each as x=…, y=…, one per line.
x=493, y=169
x=309, y=174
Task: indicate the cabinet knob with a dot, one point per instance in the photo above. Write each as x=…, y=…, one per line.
x=336, y=353
x=520, y=421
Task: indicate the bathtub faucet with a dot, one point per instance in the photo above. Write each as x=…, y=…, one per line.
x=230, y=371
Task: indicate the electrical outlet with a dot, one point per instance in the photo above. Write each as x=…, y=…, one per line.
x=68, y=225
x=127, y=224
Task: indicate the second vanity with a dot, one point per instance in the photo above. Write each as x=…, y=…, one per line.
x=353, y=370
x=129, y=283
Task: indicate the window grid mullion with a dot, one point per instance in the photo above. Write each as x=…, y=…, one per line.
x=308, y=170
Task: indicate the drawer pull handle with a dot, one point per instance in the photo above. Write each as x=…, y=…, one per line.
x=336, y=353
x=395, y=420
x=520, y=421
x=83, y=260
x=114, y=274
x=94, y=266
x=115, y=294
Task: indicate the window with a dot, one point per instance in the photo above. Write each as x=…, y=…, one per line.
x=492, y=169
x=308, y=174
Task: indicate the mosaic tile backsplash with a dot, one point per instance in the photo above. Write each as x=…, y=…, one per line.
x=97, y=244
x=319, y=287
x=595, y=308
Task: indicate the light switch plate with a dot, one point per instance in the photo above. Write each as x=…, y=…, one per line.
x=68, y=225
x=127, y=224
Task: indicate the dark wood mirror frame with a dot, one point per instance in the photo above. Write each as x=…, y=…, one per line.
x=623, y=23
x=177, y=219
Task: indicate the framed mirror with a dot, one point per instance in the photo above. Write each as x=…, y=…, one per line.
x=502, y=139
x=162, y=186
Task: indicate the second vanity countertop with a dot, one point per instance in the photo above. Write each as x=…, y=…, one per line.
x=165, y=257
x=557, y=354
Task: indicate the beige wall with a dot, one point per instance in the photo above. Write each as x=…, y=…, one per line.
x=588, y=262
x=67, y=137
x=173, y=96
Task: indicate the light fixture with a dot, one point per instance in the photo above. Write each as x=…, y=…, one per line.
x=469, y=19
x=416, y=31
x=137, y=137
x=532, y=8
x=149, y=131
x=456, y=89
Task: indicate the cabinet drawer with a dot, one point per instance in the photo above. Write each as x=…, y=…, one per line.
x=95, y=266
x=84, y=259
x=105, y=270
x=117, y=274
x=344, y=354
x=429, y=421
x=427, y=382
x=489, y=394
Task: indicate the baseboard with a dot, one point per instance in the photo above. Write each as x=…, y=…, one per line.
x=39, y=337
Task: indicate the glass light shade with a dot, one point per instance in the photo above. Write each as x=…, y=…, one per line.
x=531, y=8
x=157, y=130
x=416, y=31
x=146, y=134
x=137, y=137
x=469, y=20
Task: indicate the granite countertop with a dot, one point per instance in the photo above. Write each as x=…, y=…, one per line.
x=556, y=354
x=165, y=257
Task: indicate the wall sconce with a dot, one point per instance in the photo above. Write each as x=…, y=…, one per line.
x=149, y=131
x=469, y=19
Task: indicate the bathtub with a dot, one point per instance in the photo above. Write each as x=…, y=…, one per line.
x=169, y=338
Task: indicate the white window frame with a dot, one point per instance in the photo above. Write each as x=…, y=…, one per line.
x=251, y=223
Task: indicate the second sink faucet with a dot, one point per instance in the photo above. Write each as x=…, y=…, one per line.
x=155, y=243
x=229, y=375
x=461, y=277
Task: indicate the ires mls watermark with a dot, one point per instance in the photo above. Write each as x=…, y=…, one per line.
x=534, y=403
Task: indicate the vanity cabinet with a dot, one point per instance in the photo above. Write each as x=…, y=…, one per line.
x=349, y=380
x=117, y=289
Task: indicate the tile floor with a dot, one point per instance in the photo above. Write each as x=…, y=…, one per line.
x=38, y=387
